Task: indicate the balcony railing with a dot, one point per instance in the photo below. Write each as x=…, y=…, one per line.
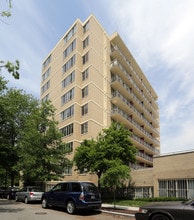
x=144, y=156
x=115, y=48
x=118, y=79
x=117, y=94
x=116, y=63
x=128, y=118
x=145, y=144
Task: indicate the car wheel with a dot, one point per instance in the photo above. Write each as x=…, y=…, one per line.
x=26, y=200
x=160, y=217
x=70, y=207
x=44, y=203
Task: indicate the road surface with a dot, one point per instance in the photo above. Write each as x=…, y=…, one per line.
x=11, y=210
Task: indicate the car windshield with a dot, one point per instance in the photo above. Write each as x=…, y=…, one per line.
x=90, y=187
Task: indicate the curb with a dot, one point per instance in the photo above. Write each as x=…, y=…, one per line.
x=119, y=207
x=118, y=213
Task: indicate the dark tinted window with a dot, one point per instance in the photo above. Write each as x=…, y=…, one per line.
x=64, y=187
x=90, y=187
x=58, y=187
x=76, y=187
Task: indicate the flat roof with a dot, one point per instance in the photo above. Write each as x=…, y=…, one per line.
x=175, y=153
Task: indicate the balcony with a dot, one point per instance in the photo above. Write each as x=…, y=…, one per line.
x=118, y=84
x=123, y=103
x=145, y=146
x=121, y=72
x=116, y=53
x=143, y=157
x=122, y=117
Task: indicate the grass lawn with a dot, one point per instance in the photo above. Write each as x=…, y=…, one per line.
x=139, y=202
x=133, y=203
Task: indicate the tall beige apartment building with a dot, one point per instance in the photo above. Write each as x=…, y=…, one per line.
x=93, y=79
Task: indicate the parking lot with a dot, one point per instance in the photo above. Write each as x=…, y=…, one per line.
x=11, y=210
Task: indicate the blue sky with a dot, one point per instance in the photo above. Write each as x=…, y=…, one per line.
x=159, y=34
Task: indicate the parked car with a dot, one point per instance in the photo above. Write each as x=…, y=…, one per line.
x=73, y=196
x=167, y=211
x=29, y=194
x=11, y=192
x=2, y=192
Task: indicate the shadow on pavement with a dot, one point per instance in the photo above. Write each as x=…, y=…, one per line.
x=80, y=213
x=4, y=206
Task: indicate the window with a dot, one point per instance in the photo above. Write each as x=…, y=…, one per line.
x=46, y=98
x=84, y=91
x=58, y=187
x=70, y=63
x=85, y=58
x=68, y=80
x=46, y=62
x=84, y=128
x=67, y=96
x=76, y=187
x=69, y=49
x=65, y=187
x=70, y=34
x=46, y=74
x=69, y=112
x=181, y=188
x=67, y=130
x=86, y=27
x=86, y=42
x=69, y=147
x=85, y=74
x=85, y=109
x=45, y=87
x=67, y=170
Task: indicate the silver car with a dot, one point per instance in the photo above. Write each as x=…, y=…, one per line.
x=29, y=194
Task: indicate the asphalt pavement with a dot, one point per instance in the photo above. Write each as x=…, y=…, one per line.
x=11, y=210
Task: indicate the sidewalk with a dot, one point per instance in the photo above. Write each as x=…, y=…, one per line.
x=119, y=210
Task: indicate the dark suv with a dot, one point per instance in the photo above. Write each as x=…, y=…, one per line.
x=73, y=196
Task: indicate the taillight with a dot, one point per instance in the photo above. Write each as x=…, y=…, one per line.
x=31, y=193
x=81, y=197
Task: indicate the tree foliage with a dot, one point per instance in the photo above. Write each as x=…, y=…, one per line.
x=30, y=142
x=42, y=151
x=15, y=106
x=108, y=156
x=6, y=13
x=11, y=67
x=84, y=156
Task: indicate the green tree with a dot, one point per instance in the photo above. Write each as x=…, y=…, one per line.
x=6, y=13
x=42, y=152
x=15, y=106
x=12, y=68
x=3, y=85
x=29, y=139
x=115, y=176
x=112, y=146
